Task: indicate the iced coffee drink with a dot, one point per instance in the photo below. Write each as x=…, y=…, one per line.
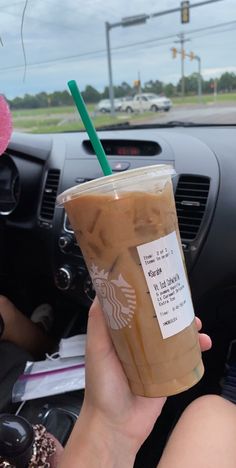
x=127, y=229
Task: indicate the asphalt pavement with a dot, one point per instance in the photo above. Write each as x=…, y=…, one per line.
x=215, y=113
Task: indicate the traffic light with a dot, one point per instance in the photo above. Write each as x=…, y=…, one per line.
x=136, y=83
x=185, y=17
x=174, y=52
x=183, y=54
x=192, y=55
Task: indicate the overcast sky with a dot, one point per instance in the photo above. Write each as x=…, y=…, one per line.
x=55, y=30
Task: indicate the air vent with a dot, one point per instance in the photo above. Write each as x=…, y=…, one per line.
x=191, y=199
x=49, y=194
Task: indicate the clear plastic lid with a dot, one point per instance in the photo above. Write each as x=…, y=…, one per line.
x=117, y=181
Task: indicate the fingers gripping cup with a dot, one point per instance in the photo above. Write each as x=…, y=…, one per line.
x=126, y=226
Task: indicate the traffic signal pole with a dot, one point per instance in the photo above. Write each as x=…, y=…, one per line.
x=182, y=41
x=199, y=77
x=192, y=56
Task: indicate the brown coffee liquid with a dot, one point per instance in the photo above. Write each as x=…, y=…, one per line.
x=108, y=230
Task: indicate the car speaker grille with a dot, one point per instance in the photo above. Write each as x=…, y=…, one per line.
x=50, y=194
x=191, y=198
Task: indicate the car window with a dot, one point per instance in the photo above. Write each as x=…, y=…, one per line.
x=46, y=43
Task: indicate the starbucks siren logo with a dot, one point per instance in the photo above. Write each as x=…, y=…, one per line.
x=117, y=298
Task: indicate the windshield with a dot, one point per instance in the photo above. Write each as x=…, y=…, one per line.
x=116, y=50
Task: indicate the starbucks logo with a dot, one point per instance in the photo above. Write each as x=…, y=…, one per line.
x=116, y=296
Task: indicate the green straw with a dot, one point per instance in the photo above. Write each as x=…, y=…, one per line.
x=97, y=146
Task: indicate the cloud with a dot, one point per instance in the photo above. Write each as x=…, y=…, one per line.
x=216, y=72
x=55, y=29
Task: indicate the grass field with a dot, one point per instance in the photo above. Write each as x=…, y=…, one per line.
x=206, y=99
x=60, y=119
x=53, y=120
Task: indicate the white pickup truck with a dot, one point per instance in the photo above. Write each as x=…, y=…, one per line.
x=147, y=102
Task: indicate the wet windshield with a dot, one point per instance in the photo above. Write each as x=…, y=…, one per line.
x=142, y=62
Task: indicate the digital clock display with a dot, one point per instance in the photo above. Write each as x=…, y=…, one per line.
x=135, y=148
x=127, y=151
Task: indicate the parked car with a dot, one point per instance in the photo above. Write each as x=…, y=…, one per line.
x=125, y=100
x=105, y=105
x=147, y=102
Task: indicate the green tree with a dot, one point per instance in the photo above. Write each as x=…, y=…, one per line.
x=56, y=99
x=208, y=86
x=16, y=103
x=153, y=87
x=66, y=98
x=227, y=82
x=190, y=84
x=30, y=102
x=169, y=90
x=90, y=94
x=42, y=99
x=127, y=89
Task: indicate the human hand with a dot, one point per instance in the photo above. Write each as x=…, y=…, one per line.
x=110, y=410
x=107, y=389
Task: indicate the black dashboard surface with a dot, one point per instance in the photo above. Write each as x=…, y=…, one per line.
x=204, y=161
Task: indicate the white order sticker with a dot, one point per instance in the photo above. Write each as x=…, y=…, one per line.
x=167, y=283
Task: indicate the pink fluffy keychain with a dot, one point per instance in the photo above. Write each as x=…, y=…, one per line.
x=5, y=124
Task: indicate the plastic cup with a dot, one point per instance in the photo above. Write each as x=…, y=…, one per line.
x=127, y=229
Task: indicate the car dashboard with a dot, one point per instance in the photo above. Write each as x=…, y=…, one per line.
x=42, y=257
x=36, y=168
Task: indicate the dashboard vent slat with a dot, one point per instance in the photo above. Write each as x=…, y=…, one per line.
x=191, y=198
x=50, y=194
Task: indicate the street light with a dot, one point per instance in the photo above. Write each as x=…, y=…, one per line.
x=125, y=22
x=133, y=20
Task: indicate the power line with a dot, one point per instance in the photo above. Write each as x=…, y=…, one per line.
x=9, y=5
x=227, y=23
x=102, y=52
x=170, y=36
x=214, y=32
x=61, y=59
x=193, y=31
x=39, y=20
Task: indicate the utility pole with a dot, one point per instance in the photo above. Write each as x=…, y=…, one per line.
x=199, y=77
x=182, y=41
x=111, y=89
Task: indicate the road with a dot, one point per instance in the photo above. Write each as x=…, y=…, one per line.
x=209, y=113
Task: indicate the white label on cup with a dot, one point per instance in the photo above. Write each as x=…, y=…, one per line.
x=167, y=284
